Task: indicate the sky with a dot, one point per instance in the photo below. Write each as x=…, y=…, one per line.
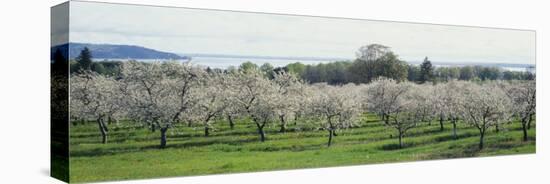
x=182, y=30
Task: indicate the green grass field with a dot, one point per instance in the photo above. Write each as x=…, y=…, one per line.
x=132, y=152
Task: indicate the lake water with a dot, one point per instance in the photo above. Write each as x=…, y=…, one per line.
x=505, y=67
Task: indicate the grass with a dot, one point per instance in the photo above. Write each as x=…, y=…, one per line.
x=132, y=152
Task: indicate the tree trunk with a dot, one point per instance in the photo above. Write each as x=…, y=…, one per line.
x=481, y=136
x=261, y=132
x=524, y=127
x=497, y=128
x=283, y=124
x=102, y=130
x=153, y=128
x=441, y=123
x=330, y=133
x=400, y=140
x=454, y=130
x=163, y=137
x=206, y=131
x=104, y=126
x=529, y=122
x=109, y=120
x=231, y=123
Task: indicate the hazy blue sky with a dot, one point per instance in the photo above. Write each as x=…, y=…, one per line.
x=203, y=31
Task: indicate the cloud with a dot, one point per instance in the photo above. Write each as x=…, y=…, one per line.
x=207, y=31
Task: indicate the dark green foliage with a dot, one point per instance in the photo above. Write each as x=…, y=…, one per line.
x=73, y=66
x=84, y=60
x=466, y=73
x=388, y=65
x=280, y=70
x=509, y=75
x=359, y=71
x=98, y=68
x=446, y=73
x=59, y=64
x=480, y=73
x=267, y=69
x=426, y=71
x=489, y=73
x=111, y=68
x=332, y=73
x=413, y=73
x=248, y=66
x=296, y=68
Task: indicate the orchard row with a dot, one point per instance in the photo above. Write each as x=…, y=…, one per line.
x=161, y=95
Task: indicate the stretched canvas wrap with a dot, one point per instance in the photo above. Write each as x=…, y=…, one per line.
x=147, y=92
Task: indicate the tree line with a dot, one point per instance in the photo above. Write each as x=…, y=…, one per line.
x=372, y=61
x=382, y=62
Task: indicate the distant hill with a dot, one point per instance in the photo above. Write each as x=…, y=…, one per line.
x=111, y=51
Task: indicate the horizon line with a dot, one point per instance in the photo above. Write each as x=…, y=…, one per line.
x=309, y=58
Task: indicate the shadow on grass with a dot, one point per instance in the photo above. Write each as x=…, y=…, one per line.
x=294, y=148
x=445, y=138
x=395, y=146
x=423, y=133
x=371, y=124
x=111, y=151
x=472, y=149
x=469, y=150
x=452, y=138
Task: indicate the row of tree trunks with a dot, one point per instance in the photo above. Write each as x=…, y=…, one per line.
x=332, y=132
